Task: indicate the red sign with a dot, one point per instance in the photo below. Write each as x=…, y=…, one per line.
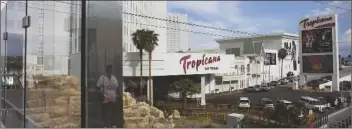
x=319, y=20
x=187, y=63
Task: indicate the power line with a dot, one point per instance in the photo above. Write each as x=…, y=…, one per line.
x=191, y=24
x=332, y=5
x=196, y=25
x=181, y=30
x=204, y=33
x=187, y=23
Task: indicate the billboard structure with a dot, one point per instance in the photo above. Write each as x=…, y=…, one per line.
x=319, y=48
x=270, y=59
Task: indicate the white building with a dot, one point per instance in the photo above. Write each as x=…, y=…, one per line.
x=166, y=67
x=235, y=78
x=251, y=47
x=177, y=34
x=131, y=23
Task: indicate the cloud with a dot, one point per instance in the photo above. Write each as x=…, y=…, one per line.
x=347, y=36
x=332, y=9
x=221, y=14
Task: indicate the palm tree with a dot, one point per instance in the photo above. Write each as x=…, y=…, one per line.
x=185, y=87
x=151, y=41
x=282, y=55
x=139, y=41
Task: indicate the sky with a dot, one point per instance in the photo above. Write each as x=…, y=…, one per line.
x=259, y=17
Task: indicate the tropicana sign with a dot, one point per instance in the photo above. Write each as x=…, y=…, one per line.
x=187, y=63
x=317, y=22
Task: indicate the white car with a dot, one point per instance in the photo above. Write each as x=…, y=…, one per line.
x=244, y=102
x=313, y=103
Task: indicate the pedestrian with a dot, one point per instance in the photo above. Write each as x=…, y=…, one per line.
x=107, y=87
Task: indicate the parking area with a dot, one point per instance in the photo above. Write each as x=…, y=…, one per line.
x=284, y=91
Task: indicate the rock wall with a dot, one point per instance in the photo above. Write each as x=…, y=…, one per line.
x=55, y=102
x=142, y=115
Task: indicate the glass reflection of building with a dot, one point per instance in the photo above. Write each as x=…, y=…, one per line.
x=53, y=77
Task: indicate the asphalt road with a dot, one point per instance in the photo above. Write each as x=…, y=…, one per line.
x=283, y=91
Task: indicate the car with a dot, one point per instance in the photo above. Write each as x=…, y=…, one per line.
x=288, y=104
x=313, y=103
x=283, y=81
x=322, y=99
x=314, y=83
x=266, y=103
x=252, y=89
x=290, y=79
x=244, y=102
x=327, y=78
x=264, y=88
x=274, y=83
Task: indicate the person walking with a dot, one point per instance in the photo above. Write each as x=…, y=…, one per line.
x=107, y=87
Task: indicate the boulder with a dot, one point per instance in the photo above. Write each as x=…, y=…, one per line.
x=142, y=115
x=176, y=115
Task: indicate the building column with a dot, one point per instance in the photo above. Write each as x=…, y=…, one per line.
x=302, y=80
x=335, y=86
x=211, y=83
x=202, y=90
x=207, y=85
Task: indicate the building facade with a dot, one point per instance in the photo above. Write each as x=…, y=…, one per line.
x=235, y=78
x=257, y=49
x=155, y=9
x=177, y=34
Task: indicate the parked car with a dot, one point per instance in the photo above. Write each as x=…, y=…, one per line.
x=327, y=78
x=266, y=103
x=244, y=102
x=283, y=81
x=313, y=103
x=274, y=83
x=291, y=79
x=264, y=88
x=252, y=89
x=288, y=104
x=322, y=99
x=345, y=85
x=314, y=83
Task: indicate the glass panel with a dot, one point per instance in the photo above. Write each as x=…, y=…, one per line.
x=104, y=48
x=12, y=57
x=53, y=65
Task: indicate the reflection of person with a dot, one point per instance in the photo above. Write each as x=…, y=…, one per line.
x=107, y=85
